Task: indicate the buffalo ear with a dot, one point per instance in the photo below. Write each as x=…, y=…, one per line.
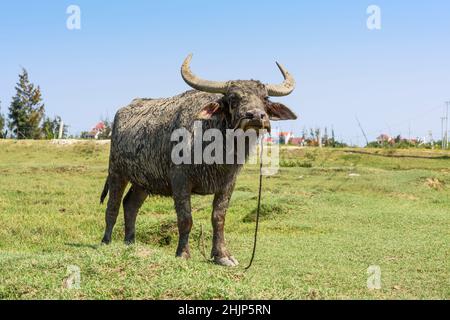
x=210, y=111
x=278, y=111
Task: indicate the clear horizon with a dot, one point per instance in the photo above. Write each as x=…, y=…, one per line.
x=395, y=80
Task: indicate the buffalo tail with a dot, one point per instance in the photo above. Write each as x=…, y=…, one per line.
x=105, y=191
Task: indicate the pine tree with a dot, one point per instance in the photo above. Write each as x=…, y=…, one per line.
x=26, y=111
x=2, y=124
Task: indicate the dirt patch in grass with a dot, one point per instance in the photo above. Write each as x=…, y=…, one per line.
x=88, y=149
x=435, y=183
x=142, y=252
x=405, y=196
x=161, y=234
x=268, y=212
x=59, y=169
x=244, y=188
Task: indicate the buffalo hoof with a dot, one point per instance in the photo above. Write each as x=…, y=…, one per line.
x=229, y=261
x=106, y=241
x=184, y=255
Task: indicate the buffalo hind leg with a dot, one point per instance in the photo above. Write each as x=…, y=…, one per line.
x=131, y=205
x=116, y=185
x=219, y=252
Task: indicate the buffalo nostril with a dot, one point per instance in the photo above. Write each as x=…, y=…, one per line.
x=263, y=115
x=249, y=115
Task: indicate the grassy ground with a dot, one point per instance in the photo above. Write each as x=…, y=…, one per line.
x=328, y=216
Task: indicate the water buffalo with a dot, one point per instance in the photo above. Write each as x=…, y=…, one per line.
x=141, y=149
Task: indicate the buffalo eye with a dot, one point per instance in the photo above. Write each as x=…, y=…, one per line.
x=233, y=100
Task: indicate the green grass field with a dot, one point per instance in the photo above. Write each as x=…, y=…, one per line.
x=327, y=216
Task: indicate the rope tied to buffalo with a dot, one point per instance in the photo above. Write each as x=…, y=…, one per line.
x=258, y=209
x=201, y=239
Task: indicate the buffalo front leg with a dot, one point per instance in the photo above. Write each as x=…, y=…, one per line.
x=131, y=205
x=116, y=186
x=219, y=252
x=182, y=200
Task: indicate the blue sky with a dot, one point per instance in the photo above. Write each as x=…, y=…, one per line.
x=393, y=79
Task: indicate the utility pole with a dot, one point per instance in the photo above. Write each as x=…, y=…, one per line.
x=446, y=124
x=319, y=138
x=430, y=139
x=409, y=132
x=442, y=132
x=364, y=134
x=61, y=129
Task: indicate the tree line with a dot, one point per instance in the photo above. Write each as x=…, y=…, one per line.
x=26, y=117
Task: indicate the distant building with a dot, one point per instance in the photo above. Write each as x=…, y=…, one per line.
x=285, y=137
x=297, y=141
x=281, y=138
x=384, y=138
x=96, y=130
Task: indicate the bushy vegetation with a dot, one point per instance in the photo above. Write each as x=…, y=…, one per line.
x=401, y=143
x=315, y=137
